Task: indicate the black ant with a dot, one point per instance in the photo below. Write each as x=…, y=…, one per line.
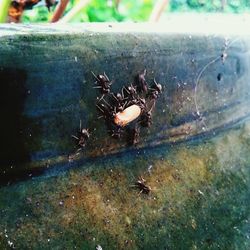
x=131, y=91
x=146, y=117
x=103, y=83
x=113, y=112
x=107, y=111
x=136, y=99
x=146, y=120
x=82, y=137
x=140, y=82
x=120, y=100
x=134, y=136
x=141, y=185
x=155, y=90
x=141, y=102
x=133, y=105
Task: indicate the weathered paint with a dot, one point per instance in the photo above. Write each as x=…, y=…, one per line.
x=200, y=184
x=199, y=200
x=48, y=88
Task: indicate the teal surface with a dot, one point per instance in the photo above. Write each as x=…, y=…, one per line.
x=199, y=200
x=49, y=88
x=194, y=158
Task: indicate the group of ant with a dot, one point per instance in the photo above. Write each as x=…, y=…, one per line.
x=125, y=112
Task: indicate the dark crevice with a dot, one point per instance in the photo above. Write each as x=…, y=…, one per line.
x=13, y=143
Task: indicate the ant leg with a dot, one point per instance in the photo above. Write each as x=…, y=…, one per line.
x=107, y=103
x=129, y=103
x=142, y=179
x=78, y=151
x=80, y=125
x=99, y=108
x=150, y=106
x=128, y=92
x=123, y=97
x=124, y=105
x=153, y=105
x=99, y=99
x=140, y=192
x=106, y=76
x=112, y=94
x=75, y=137
x=155, y=82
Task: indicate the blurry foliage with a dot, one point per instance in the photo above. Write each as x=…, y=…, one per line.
x=134, y=10
x=227, y=6
x=98, y=11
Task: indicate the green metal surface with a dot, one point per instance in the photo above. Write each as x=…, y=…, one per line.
x=199, y=200
x=46, y=88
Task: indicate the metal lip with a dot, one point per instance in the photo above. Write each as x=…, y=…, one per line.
x=188, y=23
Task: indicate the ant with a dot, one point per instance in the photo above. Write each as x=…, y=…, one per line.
x=107, y=111
x=146, y=117
x=141, y=185
x=141, y=102
x=83, y=136
x=146, y=120
x=155, y=90
x=122, y=111
x=134, y=135
x=133, y=105
x=131, y=91
x=103, y=83
x=140, y=82
x=121, y=101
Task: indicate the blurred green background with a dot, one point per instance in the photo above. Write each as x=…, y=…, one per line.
x=134, y=10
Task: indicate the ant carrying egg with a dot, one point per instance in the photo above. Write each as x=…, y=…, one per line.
x=132, y=107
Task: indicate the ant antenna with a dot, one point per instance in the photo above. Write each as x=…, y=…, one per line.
x=155, y=82
x=94, y=75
